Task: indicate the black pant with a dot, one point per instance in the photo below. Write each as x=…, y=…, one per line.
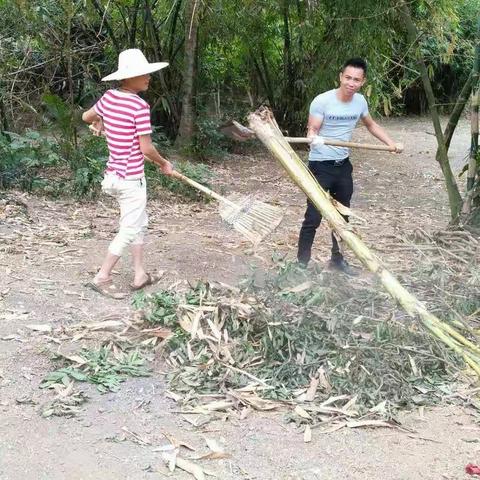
x=336, y=179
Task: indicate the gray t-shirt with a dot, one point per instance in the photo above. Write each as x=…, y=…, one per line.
x=338, y=121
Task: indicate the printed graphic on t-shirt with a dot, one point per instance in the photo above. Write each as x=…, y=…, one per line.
x=342, y=117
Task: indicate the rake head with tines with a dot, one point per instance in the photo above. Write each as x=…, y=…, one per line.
x=252, y=218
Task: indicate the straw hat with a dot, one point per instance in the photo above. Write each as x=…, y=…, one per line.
x=132, y=63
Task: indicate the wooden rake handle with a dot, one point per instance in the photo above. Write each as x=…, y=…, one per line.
x=207, y=191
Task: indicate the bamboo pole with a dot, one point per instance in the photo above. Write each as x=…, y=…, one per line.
x=472, y=162
x=341, y=143
x=472, y=159
x=266, y=129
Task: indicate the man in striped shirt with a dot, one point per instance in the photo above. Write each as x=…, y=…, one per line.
x=124, y=118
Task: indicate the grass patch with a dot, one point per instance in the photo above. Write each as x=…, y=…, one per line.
x=103, y=367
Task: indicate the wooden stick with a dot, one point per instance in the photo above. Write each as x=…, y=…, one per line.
x=340, y=143
x=239, y=132
x=204, y=189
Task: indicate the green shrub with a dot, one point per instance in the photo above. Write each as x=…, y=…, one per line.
x=92, y=156
x=23, y=159
x=33, y=162
x=209, y=141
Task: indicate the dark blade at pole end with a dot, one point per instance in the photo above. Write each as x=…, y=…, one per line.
x=236, y=131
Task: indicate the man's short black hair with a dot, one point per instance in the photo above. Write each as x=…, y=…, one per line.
x=356, y=62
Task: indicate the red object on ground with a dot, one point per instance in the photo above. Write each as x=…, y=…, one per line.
x=472, y=469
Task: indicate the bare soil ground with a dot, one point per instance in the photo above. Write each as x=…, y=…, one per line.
x=49, y=252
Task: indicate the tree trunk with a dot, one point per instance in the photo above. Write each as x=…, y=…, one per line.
x=186, y=129
x=454, y=197
x=457, y=111
x=71, y=129
x=3, y=115
x=133, y=30
x=103, y=17
x=173, y=29
x=166, y=91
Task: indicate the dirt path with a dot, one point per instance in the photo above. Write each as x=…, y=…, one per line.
x=47, y=256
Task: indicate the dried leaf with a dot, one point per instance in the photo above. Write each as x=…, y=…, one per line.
x=160, y=332
x=381, y=408
x=415, y=370
x=348, y=407
x=105, y=325
x=75, y=359
x=213, y=445
x=212, y=407
x=177, y=443
x=323, y=380
x=190, y=467
x=195, y=324
x=254, y=401
x=40, y=328
x=369, y=423
x=214, y=456
x=197, y=420
x=335, y=428
x=302, y=413
x=170, y=458
x=299, y=288
x=164, y=448
x=307, y=435
x=174, y=396
x=312, y=390
x=136, y=438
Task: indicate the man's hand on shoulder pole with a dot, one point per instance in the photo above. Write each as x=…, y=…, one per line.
x=316, y=140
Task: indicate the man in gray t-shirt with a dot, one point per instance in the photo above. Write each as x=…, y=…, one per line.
x=334, y=114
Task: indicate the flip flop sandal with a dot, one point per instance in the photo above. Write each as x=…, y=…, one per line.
x=107, y=289
x=152, y=278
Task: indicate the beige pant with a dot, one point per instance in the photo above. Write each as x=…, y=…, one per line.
x=132, y=197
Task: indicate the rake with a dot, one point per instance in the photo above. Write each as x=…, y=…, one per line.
x=250, y=217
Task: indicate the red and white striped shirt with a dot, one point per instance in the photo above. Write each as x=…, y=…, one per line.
x=125, y=117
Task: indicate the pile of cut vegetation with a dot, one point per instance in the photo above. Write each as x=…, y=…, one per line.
x=336, y=346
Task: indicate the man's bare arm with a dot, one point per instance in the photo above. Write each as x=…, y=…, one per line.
x=313, y=127
x=378, y=132
x=152, y=155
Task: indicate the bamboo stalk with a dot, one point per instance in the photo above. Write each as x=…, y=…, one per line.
x=472, y=162
x=266, y=129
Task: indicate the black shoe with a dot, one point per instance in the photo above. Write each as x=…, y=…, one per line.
x=341, y=265
x=301, y=265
